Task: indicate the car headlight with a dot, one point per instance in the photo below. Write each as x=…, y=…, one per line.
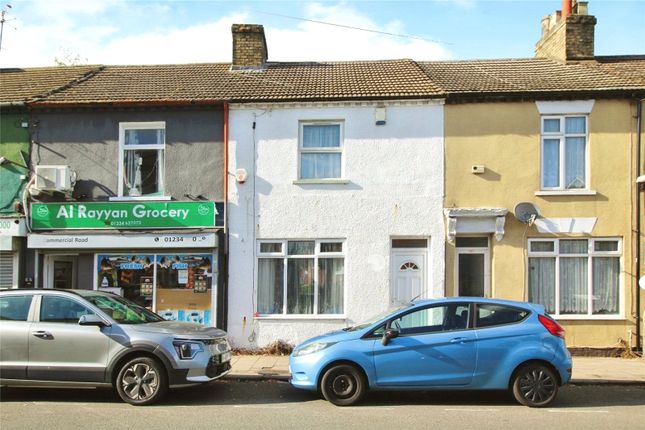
x=187, y=350
x=311, y=348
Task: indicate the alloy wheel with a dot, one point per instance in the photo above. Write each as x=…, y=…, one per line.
x=535, y=385
x=140, y=381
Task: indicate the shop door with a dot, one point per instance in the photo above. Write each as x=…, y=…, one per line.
x=61, y=271
x=408, y=275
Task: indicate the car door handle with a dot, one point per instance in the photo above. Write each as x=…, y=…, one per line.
x=43, y=334
x=458, y=340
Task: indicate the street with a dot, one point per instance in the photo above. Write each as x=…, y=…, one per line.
x=273, y=405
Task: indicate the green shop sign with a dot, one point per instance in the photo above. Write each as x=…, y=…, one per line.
x=126, y=215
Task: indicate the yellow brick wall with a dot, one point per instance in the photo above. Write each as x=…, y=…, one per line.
x=505, y=138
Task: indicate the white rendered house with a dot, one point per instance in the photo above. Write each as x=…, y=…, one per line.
x=339, y=217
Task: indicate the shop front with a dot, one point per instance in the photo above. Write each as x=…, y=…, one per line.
x=165, y=256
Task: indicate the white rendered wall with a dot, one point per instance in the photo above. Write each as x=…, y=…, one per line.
x=395, y=189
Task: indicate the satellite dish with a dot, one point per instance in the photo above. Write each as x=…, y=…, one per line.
x=526, y=212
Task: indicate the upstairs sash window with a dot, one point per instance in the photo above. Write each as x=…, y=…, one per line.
x=141, y=163
x=321, y=151
x=564, y=153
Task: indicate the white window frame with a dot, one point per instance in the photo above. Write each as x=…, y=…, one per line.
x=161, y=148
x=561, y=137
x=591, y=253
x=284, y=255
x=340, y=149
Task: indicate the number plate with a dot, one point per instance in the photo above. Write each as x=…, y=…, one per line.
x=225, y=357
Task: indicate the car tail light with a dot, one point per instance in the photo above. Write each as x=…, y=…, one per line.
x=553, y=327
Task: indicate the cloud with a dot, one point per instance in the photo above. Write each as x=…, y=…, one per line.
x=204, y=43
x=320, y=42
x=126, y=32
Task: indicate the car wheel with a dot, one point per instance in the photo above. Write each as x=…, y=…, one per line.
x=535, y=385
x=343, y=385
x=141, y=381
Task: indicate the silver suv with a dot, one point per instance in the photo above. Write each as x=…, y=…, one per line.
x=90, y=338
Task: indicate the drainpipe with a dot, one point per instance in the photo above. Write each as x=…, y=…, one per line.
x=225, y=163
x=224, y=302
x=639, y=117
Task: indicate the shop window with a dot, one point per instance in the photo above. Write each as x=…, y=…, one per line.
x=321, y=151
x=178, y=287
x=307, y=279
x=141, y=160
x=575, y=277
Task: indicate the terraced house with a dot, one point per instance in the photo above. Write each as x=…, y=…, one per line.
x=348, y=187
x=127, y=187
x=336, y=211
x=15, y=147
x=541, y=168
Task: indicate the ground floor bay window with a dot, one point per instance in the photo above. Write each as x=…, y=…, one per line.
x=301, y=277
x=576, y=277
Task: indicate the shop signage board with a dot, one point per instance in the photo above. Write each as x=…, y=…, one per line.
x=12, y=227
x=127, y=215
x=121, y=241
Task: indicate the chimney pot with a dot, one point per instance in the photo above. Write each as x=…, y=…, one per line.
x=566, y=8
x=581, y=8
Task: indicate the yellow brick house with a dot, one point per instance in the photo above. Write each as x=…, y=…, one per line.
x=541, y=163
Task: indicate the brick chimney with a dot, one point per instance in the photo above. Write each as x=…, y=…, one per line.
x=567, y=37
x=249, y=47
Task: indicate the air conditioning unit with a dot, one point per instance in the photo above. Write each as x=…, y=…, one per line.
x=55, y=178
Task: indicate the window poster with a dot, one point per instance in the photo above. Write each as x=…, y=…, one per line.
x=184, y=286
x=130, y=276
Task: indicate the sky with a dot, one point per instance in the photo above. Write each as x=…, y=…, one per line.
x=42, y=32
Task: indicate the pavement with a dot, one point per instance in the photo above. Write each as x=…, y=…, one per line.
x=586, y=370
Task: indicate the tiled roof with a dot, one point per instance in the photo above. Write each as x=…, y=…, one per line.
x=20, y=85
x=353, y=80
x=630, y=67
x=396, y=79
x=533, y=75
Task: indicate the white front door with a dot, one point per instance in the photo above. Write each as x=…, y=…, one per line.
x=408, y=275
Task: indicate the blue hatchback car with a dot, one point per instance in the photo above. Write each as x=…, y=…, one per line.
x=457, y=343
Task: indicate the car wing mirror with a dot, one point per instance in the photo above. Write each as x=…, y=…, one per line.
x=388, y=334
x=92, y=319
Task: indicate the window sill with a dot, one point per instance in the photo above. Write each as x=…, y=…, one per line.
x=140, y=198
x=566, y=193
x=588, y=317
x=301, y=317
x=320, y=181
